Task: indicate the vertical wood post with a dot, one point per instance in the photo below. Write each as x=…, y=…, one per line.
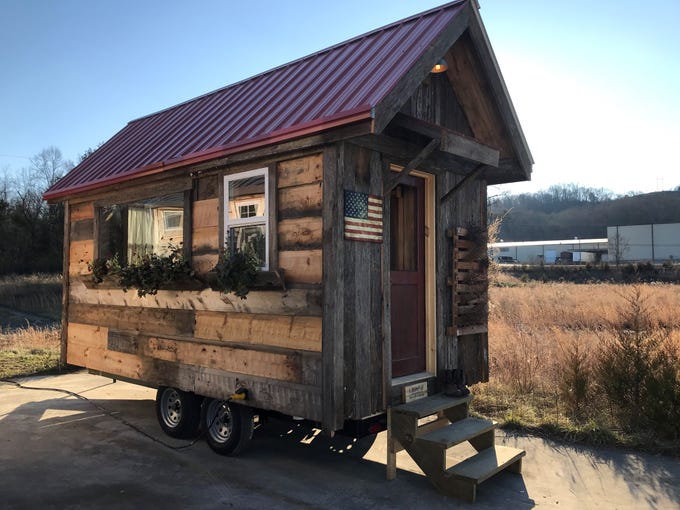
x=65, y=283
x=391, y=467
x=333, y=333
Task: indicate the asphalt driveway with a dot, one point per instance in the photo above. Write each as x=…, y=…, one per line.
x=58, y=451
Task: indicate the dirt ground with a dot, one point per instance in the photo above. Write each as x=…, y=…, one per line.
x=61, y=452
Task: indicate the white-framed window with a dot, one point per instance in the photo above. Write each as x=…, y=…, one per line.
x=246, y=214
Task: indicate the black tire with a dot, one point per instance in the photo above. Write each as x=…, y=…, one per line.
x=228, y=427
x=178, y=412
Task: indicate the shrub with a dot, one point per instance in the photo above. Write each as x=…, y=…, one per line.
x=637, y=370
x=236, y=271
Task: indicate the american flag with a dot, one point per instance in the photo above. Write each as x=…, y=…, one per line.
x=363, y=217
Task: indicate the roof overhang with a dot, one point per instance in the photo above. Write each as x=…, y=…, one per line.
x=313, y=128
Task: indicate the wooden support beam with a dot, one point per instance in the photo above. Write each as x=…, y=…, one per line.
x=398, y=178
x=472, y=175
x=451, y=142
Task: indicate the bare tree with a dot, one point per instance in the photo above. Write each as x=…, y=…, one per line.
x=618, y=247
x=48, y=166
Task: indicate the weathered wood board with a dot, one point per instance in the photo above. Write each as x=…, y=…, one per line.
x=295, y=172
x=294, y=301
x=80, y=255
x=287, y=331
x=302, y=266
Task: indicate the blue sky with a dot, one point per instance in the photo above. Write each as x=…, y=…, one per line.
x=595, y=83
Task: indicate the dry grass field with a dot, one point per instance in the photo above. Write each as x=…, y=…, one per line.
x=30, y=309
x=29, y=350
x=560, y=352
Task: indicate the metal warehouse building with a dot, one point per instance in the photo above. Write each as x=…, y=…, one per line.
x=550, y=252
x=624, y=243
x=655, y=242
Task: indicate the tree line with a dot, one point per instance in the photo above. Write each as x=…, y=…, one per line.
x=31, y=231
x=568, y=211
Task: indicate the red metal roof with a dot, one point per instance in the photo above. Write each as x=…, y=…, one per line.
x=336, y=86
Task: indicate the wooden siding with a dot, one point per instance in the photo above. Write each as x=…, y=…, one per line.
x=465, y=207
x=287, y=331
x=205, y=234
x=82, y=211
x=435, y=101
x=202, y=340
x=299, y=202
x=300, y=233
x=81, y=238
x=363, y=296
x=80, y=254
x=332, y=339
x=287, y=382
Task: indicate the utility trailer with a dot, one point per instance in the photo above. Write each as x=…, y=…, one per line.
x=358, y=176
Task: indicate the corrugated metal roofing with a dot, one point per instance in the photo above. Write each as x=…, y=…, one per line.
x=336, y=86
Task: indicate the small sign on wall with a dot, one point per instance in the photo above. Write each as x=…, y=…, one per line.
x=415, y=391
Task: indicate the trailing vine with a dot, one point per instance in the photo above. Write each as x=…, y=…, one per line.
x=236, y=271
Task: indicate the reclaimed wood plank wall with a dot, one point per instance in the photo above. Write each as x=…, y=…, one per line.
x=467, y=207
x=299, y=201
x=202, y=340
x=363, y=296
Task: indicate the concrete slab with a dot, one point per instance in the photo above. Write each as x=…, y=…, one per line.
x=58, y=452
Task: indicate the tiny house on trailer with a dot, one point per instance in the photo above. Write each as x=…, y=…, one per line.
x=357, y=175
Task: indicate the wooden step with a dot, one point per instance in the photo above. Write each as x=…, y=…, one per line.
x=458, y=432
x=430, y=405
x=487, y=463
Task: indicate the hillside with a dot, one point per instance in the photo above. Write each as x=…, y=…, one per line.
x=565, y=212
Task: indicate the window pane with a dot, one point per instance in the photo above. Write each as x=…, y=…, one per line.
x=111, y=232
x=403, y=235
x=138, y=228
x=246, y=197
x=172, y=219
x=252, y=236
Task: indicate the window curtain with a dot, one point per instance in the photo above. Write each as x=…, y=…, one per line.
x=140, y=233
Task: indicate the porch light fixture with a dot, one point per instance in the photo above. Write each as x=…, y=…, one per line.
x=440, y=66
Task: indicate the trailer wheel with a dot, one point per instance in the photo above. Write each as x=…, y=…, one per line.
x=228, y=426
x=178, y=412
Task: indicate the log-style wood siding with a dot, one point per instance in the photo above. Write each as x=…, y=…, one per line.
x=299, y=201
x=204, y=341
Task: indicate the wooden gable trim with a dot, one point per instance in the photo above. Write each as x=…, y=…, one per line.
x=473, y=93
x=404, y=89
x=451, y=142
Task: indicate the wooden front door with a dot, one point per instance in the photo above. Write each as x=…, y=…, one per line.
x=407, y=275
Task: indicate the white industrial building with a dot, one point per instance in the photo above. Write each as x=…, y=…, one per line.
x=550, y=252
x=624, y=243
x=654, y=242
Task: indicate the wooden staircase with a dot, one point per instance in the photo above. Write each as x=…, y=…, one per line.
x=427, y=441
